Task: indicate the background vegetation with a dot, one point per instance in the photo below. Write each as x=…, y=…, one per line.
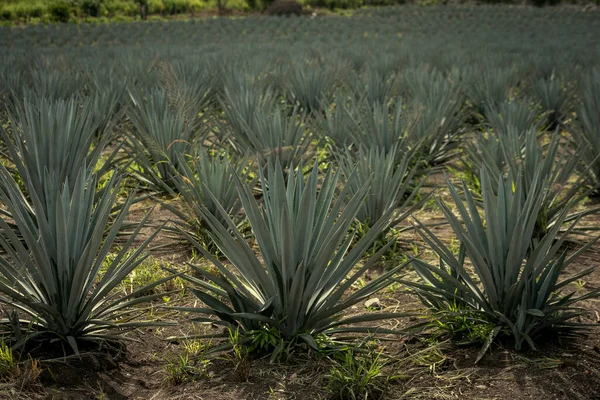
x=67, y=10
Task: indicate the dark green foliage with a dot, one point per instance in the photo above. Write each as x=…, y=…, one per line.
x=284, y=8
x=60, y=11
x=91, y=7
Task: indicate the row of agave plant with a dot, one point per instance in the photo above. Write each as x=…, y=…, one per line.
x=310, y=227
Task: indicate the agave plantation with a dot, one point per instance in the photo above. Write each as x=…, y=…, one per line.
x=356, y=201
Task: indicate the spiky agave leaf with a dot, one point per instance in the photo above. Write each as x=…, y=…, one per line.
x=555, y=163
x=505, y=124
x=53, y=273
x=55, y=82
x=337, y=124
x=299, y=284
x=371, y=85
x=378, y=125
x=240, y=105
x=108, y=92
x=190, y=87
x=515, y=280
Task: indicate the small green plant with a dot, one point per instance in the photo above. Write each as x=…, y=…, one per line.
x=149, y=271
x=9, y=366
x=462, y=326
x=580, y=283
x=265, y=340
x=241, y=355
x=180, y=370
x=190, y=365
x=357, y=376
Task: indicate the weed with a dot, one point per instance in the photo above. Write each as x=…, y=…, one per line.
x=355, y=376
x=461, y=326
x=241, y=355
x=190, y=365
x=580, y=283
x=149, y=271
x=9, y=367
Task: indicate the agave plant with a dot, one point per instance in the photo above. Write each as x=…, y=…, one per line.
x=514, y=288
x=337, y=124
x=587, y=130
x=207, y=182
x=554, y=98
x=438, y=107
x=53, y=272
x=371, y=86
x=307, y=87
x=108, y=92
x=190, y=87
x=298, y=286
x=240, y=106
x=507, y=122
x=489, y=86
x=56, y=82
x=271, y=134
x=378, y=125
x=555, y=163
x=55, y=137
x=390, y=176
x=516, y=115
x=162, y=133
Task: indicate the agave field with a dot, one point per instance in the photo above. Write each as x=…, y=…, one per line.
x=397, y=204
